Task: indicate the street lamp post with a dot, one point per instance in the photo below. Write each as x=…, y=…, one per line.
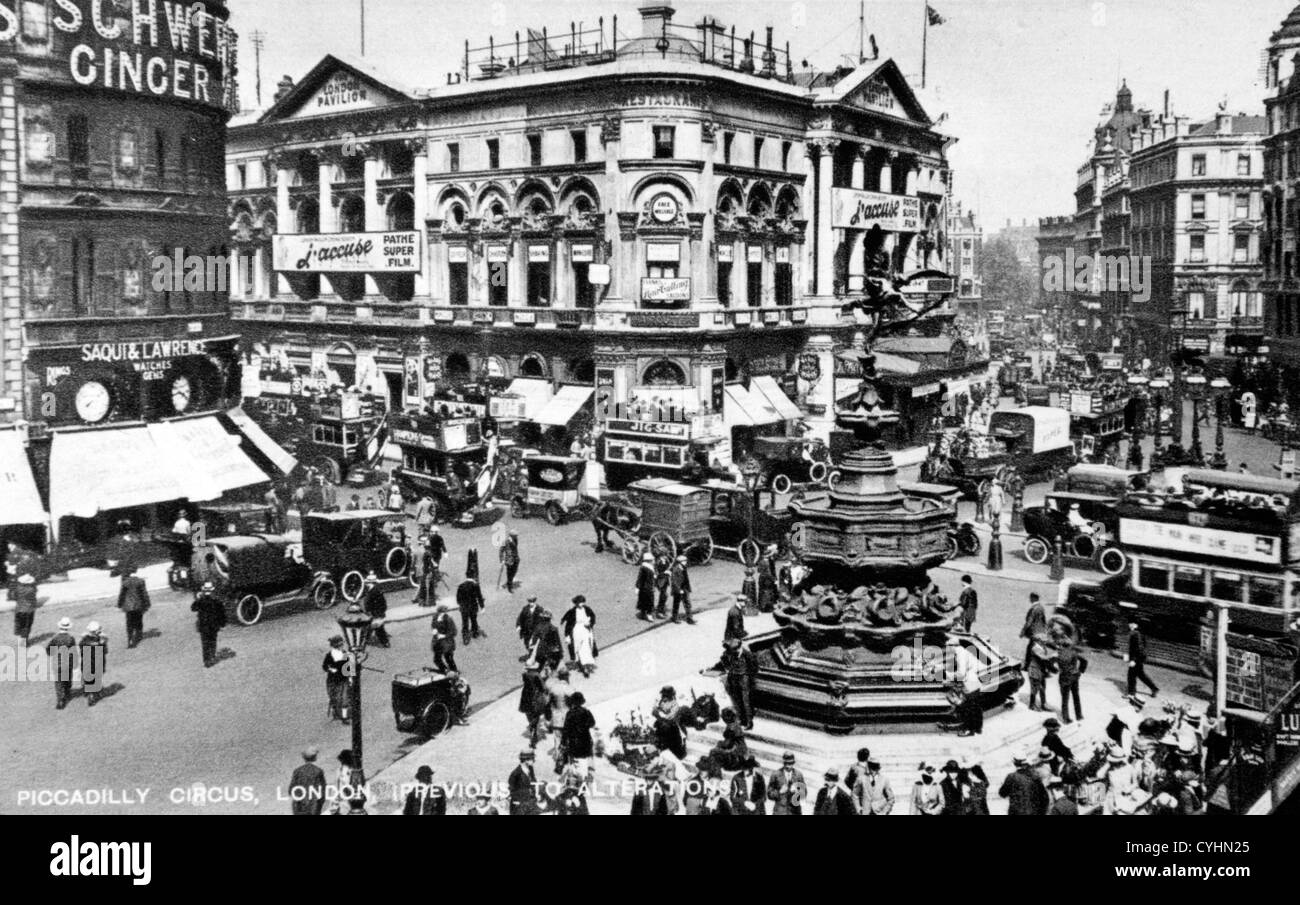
x=1196, y=389
x=1219, y=387
x=1158, y=386
x=355, y=624
x=1138, y=382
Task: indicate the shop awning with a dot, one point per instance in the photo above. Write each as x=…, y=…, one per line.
x=262, y=441
x=108, y=468
x=766, y=386
x=20, y=503
x=896, y=364
x=563, y=406
x=208, y=458
x=537, y=392
x=745, y=408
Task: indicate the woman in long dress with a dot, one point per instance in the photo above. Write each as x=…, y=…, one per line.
x=584, y=641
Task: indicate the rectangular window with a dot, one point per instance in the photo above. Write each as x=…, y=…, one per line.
x=1198, y=164
x=539, y=276
x=1227, y=586
x=665, y=142
x=1189, y=581
x=584, y=294
x=1198, y=249
x=785, y=156
x=79, y=145
x=458, y=275
x=758, y=152
x=1242, y=207
x=724, y=283
x=453, y=157
x=1243, y=164
x=662, y=270
x=1153, y=576
x=494, y=153
x=36, y=22
x=498, y=257
x=128, y=155
x=1241, y=248
x=241, y=174
x=83, y=275
x=1265, y=592
x=1198, y=207
x=727, y=139
x=1196, y=306
x=534, y=150
x=784, y=276
x=754, y=275
x=579, y=145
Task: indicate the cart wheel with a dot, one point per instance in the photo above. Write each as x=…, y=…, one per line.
x=954, y=549
x=554, y=513
x=663, y=545
x=352, y=585
x=749, y=552
x=818, y=472
x=324, y=593
x=1112, y=560
x=517, y=508
x=833, y=478
x=631, y=551
x=969, y=544
x=397, y=562
x=330, y=469
x=249, y=609
x=703, y=551
x=781, y=483
x=435, y=718
x=1037, y=550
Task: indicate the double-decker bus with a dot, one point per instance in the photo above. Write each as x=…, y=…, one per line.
x=1228, y=541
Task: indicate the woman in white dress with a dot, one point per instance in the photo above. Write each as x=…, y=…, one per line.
x=584, y=642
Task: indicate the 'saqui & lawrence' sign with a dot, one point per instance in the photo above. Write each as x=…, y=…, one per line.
x=154, y=47
x=348, y=253
x=858, y=209
x=142, y=351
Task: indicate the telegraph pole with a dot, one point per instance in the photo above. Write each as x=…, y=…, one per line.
x=363, y=27
x=258, y=39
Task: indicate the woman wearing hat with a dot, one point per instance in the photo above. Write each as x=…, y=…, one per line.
x=580, y=623
x=26, y=602
x=94, y=662
x=667, y=714
x=336, y=681
x=927, y=797
x=1121, y=783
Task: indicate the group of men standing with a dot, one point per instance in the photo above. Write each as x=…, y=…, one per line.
x=656, y=580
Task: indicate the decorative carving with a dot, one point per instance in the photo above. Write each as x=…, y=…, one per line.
x=822, y=146
x=708, y=131
x=610, y=129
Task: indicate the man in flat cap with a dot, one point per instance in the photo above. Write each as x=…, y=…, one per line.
x=307, y=786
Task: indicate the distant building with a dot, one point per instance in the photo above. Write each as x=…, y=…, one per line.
x=1281, y=281
x=966, y=239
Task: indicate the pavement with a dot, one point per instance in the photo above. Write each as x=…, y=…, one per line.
x=625, y=687
x=82, y=585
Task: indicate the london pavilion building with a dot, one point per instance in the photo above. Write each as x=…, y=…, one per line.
x=671, y=220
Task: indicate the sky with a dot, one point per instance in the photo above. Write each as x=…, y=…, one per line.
x=1023, y=81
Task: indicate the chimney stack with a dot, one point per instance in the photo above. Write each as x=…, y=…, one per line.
x=655, y=14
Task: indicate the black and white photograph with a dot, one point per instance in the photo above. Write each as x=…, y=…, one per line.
x=651, y=407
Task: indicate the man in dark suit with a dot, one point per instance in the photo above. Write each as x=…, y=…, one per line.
x=375, y=604
x=680, y=583
x=645, y=588
x=735, y=628
x=469, y=597
x=62, y=653
x=523, y=787
x=1137, y=661
x=548, y=646
x=650, y=800
x=833, y=799
x=133, y=600
x=741, y=667
x=307, y=786
x=749, y=791
x=444, y=640
x=510, y=558
x=1024, y=790
x=211, y=613
x=969, y=602
x=526, y=624
x=426, y=799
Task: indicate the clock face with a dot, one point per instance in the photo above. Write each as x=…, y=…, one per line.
x=93, y=402
x=181, y=393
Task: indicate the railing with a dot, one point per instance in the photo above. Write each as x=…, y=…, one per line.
x=707, y=42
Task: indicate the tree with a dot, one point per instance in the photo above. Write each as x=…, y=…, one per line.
x=1006, y=279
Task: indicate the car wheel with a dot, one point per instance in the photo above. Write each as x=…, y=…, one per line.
x=324, y=593
x=749, y=552
x=1037, y=550
x=954, y=549
x=435, y=719
x=518, y=509
x=397, y=562
x=352, y=585
x=833, y=478
x=249, y=609
x=818, y=472
x=781, y=484
x=330, y=469
x=554, y=514
x=1112, y=560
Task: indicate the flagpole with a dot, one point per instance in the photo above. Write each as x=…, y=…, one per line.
x=363, y=27
x=925, y=39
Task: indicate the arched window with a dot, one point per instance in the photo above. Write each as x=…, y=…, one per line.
x=308, y=216
x=532, y=366
x=352, y=215
x=401, y=213
x=582, y=370
x=664, y=374
x=457, y=367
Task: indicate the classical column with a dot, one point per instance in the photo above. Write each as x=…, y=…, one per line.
x=887, y=172
x=825, y=238
x=420, y=189
x=234, y=281
x=374, y=210
x=259, y=272
x=325, y=197
x=285, y=221
x=859, y=175
x=913, y=178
